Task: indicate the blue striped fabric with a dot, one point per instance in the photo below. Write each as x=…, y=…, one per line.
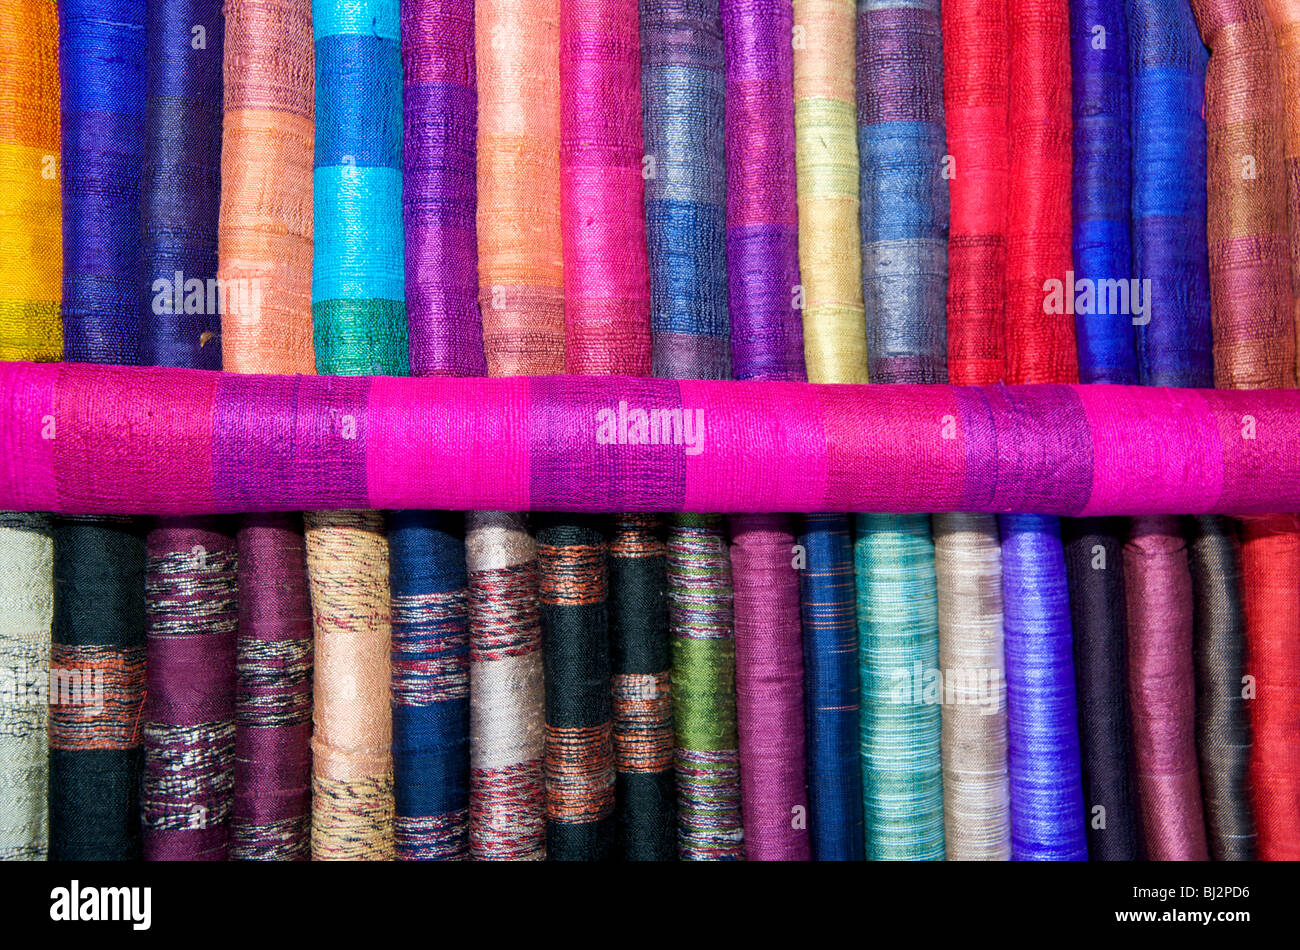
x=1099, y=54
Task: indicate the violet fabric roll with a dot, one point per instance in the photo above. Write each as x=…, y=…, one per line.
x=1162, y=690
x=682, y=88
x=1166, y=89
x=1223, y=736
x=1047, y=808
x=190, y=568
x=438, y=188
x=762, y=214
x=271, y=819
x=1095, y=567
x=1101, y=190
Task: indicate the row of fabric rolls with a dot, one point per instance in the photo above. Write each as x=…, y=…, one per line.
x=743, y=189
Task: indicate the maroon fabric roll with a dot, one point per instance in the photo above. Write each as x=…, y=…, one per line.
x=1162, y=690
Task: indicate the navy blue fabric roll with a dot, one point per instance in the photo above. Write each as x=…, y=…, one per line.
x=1167, y=86
x=430, y=684
x=1101, y=186
x=1047, y=814
x=830, y=649
x=181, y=189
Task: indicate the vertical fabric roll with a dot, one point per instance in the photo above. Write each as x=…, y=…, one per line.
x=904, y=218
x=95, y=753
x=707, y=757
x=359, y=324
x=1254, y=347
x=968, y=583
x=826, y=152
x=438, y=188
x=968, y=558
x=682, y=88
x=1047, y=816
x=520, y=258
x=1222, y=720
x=265, y=257
x=1162, y=690
x=430, y=657
x=898, y=625
x=762, y=209
x=904, y=194
x=521, y=298
x=26, y=597
x=641, y=690
x=1095, y=566
x=1270, y=564
x=31, y=255
x=507, y=715
x=571, y=555
x=606, y=279
x=1166, y=90
x=828, y=597
x=976, y=108
x=431, y=683
x=769, y=689
x=1250, y=278
x=1102, y=184
x=1285, y=18
x=1039, y=345
x=191, y=602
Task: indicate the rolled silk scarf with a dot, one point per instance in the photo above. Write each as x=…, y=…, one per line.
x=826, y=152
x=1222, y=720
x=359, y=323
x=1101, y=192
x=95, y=753
x=265, y=252
x=1095, y=567
x=762, y=211
x=1166, y=89
x=1162, y=690
x=438, y=187
x=550, y=443
x=1285, y=17
x=191, y=584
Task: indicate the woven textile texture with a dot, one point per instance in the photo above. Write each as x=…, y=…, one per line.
x=440, y=113
x=31, y=259
x=1285, y=17
x=95, y=753
x=190, y=565
x=1162, y=690
x=1094, y=561
x=359, y=324
x=762, y=211
x=1101, y=192
x=264, y=256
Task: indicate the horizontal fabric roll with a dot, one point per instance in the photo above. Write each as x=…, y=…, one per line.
x=172, y=441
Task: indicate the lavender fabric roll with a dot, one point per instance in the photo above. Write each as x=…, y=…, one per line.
x=1047, y=816
x=904, y=198
x=682, y=89
x=762, y=216
x=1101, y=186
x=438, y=188
x=1162, y=690
x=1166, y=87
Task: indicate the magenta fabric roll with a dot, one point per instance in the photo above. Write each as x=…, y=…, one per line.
x=137, y=440
x=438, y=188
x=606, y=270
x=769, y=690
x=1162, y=690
